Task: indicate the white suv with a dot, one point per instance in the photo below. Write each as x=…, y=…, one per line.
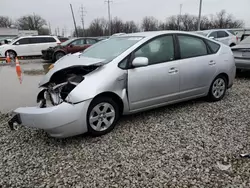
x=28, y=46
x=225, y=36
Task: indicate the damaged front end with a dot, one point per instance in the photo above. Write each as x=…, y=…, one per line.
x=61, y=84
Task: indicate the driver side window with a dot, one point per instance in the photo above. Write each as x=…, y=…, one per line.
x=158, y=50
x=79, y=42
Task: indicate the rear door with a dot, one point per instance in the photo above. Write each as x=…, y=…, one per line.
x=197, y=66
x=23, y=47
x=223, y=37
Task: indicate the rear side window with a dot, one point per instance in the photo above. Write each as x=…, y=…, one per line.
x=222, y=34
x=50, y=39
x=90, y=41
x=213, y=46
x=191, y=46
x=23, y=41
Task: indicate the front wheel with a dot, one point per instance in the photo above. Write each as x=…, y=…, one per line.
x=102, y=116
x=59, y=55
x=218, y=88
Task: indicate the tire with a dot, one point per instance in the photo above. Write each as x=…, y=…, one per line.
x=101, y=123
x=12, y=54
x=59, y=55
x=218, y=89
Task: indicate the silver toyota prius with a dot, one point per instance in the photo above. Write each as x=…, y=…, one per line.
x=89, y=91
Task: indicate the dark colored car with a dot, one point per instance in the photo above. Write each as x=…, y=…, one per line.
x=63, y=39
x=69, y=46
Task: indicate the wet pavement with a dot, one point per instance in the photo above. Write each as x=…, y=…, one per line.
x=12, y=93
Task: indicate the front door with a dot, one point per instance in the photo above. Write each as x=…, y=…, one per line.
x=197, y=66
x=76, y=46
x=158, y=82
x=23, y=47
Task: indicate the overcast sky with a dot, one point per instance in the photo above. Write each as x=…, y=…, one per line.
x=57, y=12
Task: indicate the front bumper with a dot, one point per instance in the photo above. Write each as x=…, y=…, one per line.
x=61, y=121
x=47, y=54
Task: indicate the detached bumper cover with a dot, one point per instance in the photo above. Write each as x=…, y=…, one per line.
x=60, y=121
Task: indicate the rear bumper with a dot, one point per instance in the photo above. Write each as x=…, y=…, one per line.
x=60, y=121
x=242, y=63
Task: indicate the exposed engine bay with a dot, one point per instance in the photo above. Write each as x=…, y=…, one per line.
x=61, y=84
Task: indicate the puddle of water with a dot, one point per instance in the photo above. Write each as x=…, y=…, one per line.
x=12, y=93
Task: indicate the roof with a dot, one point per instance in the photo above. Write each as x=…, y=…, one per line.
x=153, y=33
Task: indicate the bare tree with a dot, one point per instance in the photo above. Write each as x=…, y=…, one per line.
x=130, y=27
x=172, y=23
x=5, y=21
x=224, y=20
x=31, y=22
x=149, y=24
x=117, y=25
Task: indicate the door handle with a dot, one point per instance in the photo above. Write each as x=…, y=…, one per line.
x=173, y=70
x=212, y=62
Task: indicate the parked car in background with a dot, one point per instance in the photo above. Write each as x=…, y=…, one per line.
x=28, y=46
x=244, y=36
x=242, y=54
x=128, y=74
x=68, y=47
x=224, y=36
x=63, y=39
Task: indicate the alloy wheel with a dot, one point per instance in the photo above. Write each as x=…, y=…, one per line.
x=102, y=116
x=219, y=87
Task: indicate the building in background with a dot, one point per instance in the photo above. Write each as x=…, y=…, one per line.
x=9, y=33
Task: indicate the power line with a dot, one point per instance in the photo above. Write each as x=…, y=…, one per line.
x=109, y=14
x=82, y=14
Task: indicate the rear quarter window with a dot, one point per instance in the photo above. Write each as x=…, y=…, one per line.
x=50, y=39
x=213, y=46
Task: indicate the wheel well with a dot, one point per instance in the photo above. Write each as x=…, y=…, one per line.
x=232, y=44
x=9, y=51
x=60, y=51
x=114, y=97
x=225, y=75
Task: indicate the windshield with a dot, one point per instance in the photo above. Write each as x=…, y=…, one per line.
x=111, y=48
x=67, y=42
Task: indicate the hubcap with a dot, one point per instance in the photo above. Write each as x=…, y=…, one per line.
x=219, y=87
x=102, y=116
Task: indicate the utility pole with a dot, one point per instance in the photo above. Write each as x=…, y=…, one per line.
x=109, y=15
x=74, y=20
x=82, y=14
x=179, y=27
x=199, y=19
x=50, y=29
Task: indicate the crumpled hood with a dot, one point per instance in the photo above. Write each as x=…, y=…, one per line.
x=67, y=61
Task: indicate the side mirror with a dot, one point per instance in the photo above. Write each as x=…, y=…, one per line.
x=17, y=43
x=140, y=62
x=211, y=37
x=71, y=45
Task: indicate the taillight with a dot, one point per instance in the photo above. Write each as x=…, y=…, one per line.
x=237, y=38
x=58, y=43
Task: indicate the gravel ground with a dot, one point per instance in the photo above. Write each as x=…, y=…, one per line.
x=192, y=144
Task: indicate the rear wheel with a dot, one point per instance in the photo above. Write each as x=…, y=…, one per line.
x=102, y=116
x=218, y=88
x=59, y=55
